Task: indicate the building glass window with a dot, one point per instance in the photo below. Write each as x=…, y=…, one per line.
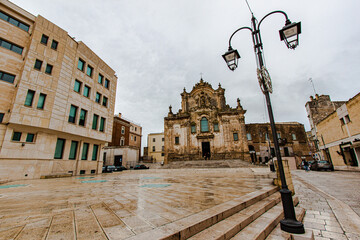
x=107, y=83
x=216, y=127
x=30, y=137
x=38, y=64
x=85, y=150
x=15, y=22
x=95, y=152
x=11, y=46
x=122, y=141
x=48, y=69
x=100, y=79
x=153, y=148
x=105, y=100
x=97, y=97
x=163, y=139
x=86, y=91
x=193, y=128
x=54, y=44
x=204, y=125
x=89, y=71
x=1, y=117
x=77, y=86
x=293, y=135
x=59, y=149
x=153, y=139
x=7, y=77
x=44, y=39
x=135, y=138
x=29, y=98
x=72, y=114
x=82, y=117
x=162, y=148
x=278, y=135
x=16, y=136
x=81, y=64
x=41, y=102
x=177, y=140
x=102, y=124
x=73, y=150
x=122, y=130
x=236, y=137
x=248, y=136
x=95, y=121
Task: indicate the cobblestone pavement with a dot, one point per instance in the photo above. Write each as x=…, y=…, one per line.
x=328, y=217
x=342, y=185
x=116, y=205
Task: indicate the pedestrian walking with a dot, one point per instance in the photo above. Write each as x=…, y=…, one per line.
x=306, y=165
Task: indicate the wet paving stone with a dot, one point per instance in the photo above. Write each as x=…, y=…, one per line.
x=118, y=205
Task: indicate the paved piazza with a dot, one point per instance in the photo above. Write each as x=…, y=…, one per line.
x=117, y=205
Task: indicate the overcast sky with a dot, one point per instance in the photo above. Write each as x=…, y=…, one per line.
x=158, y=47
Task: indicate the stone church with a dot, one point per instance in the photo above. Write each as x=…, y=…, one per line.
x=205, y=127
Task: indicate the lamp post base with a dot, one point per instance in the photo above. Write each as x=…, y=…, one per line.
x=289, y=223
x=292, y=226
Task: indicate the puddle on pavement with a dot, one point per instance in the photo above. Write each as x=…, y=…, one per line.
x=155, y=185
x=13, y=186
x=146, y=178
x=93, y=181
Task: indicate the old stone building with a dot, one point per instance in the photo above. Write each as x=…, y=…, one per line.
x=57, y=99
x=205, y=127
x=156, y=147
x=292, y=141
x=125, y=146
x=317, y=109
x=339, y=135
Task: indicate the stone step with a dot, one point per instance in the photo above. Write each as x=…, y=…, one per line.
x=261, y=227
x=193, y=224
x=278, y=234
x=230, y=226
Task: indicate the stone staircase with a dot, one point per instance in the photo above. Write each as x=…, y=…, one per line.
x=211, y=164
x=252, y=216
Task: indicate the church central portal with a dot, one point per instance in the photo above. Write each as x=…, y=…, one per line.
x=206, y=150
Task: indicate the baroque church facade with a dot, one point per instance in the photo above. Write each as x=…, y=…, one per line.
x=205, y=127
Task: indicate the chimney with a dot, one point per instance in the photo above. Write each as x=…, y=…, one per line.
x=119, y=115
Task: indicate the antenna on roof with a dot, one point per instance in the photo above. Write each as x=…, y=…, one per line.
x=312, y=83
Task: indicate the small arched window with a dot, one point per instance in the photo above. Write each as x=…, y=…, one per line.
x=204, y=124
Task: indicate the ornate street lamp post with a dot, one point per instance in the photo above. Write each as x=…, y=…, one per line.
x=290, y=35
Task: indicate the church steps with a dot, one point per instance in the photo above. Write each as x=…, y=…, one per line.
x=191, y=225
x=230, y=226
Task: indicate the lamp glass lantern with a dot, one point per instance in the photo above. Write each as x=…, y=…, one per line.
x=231, y=58
x=290, y=34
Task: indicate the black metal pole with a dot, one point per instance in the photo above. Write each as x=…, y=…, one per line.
x=289, y=223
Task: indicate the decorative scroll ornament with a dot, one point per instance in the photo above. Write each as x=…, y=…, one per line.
x=265, y=85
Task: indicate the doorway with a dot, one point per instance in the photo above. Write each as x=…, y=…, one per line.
x=205, y=150
x=118, y=160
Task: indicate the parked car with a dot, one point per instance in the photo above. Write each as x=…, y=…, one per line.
x=120, y=168
x=321, y=165
x=108, y=169
x=142, y=166
x=309, y=162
